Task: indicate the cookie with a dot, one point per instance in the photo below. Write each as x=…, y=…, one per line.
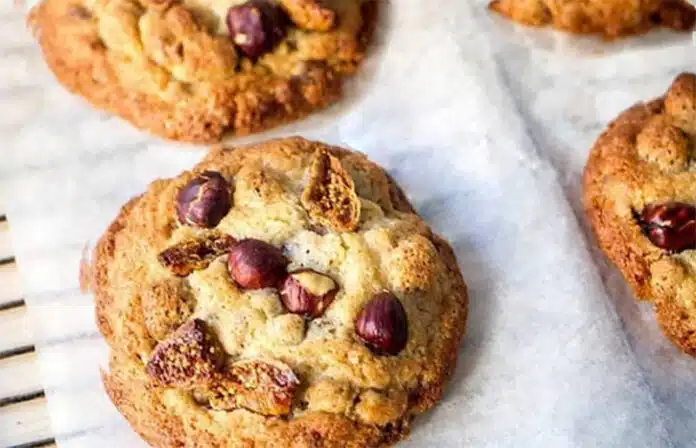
x=610, y=18
x=284, y=295
x=193, y=70
x=640, y=198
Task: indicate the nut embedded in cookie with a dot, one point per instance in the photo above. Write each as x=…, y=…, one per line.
x=670, y=226
x=256, y=26
x=204, y=200
x=255, y=264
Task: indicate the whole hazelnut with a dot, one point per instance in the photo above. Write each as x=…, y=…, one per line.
x=382, y=324
x=256, y=26
x=308, y=293
x=204, y=200
x=670, y=226
x=255, y=264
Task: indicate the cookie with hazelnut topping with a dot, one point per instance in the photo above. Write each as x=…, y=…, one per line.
x=640, y=199
x=198, y=70
x=280, y=294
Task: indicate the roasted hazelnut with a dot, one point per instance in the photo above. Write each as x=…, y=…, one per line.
x=254, y=264
x=308, y=293
x=382, y=325
x=204, y=201
x=256, y=26
x=670, y=226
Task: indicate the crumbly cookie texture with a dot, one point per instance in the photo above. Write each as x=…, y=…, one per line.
x=611, y=18
x=640, y=197
x=193, y=70
x=278, y=295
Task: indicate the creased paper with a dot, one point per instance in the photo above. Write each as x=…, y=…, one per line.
x=488, y=134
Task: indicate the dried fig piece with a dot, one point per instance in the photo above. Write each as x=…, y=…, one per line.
x=311, y=15
x=259, y=386
x=670, y=226
x=191, y=356
x=255, y=264
x=193, y=255
x=675, y=14
x=330, y=197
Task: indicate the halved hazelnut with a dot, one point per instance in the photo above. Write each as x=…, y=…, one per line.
x=204, y=201
x=382, y=324
x=308, y=293
x=255, y=264
x=670, y=226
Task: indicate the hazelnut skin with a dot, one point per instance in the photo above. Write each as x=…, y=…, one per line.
x=308, y=293
x=382, y=325
x=256, y=27
x=255, y=264
x=204, y=200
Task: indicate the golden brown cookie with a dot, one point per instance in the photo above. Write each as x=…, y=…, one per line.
x=611, y=18
x=193, y=70
x=640, y=196
x=278, y=295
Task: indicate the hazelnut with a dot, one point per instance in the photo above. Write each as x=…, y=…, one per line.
x=256, y=26
x=308, y=293
x=382, y=324
x=78, y=12
x=254, y=264
x=670, y=226
x=204, y=201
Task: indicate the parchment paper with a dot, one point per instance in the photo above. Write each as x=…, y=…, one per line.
x=488, y=134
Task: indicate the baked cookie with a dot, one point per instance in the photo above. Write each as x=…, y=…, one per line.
x=193, y=70
x=640, y=196
x=282, y=295
x=611, y=18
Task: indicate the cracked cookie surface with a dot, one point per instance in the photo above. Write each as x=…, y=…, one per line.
x=640, y=198
x=193, y=70
x=610, y=18
x=281, y=323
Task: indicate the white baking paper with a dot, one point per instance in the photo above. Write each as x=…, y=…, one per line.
x=488, y=134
